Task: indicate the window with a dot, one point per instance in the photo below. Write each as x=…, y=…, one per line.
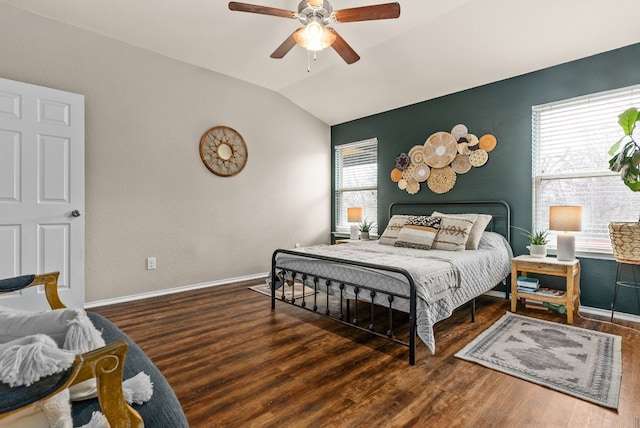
x=571, y=140
x=356, y=181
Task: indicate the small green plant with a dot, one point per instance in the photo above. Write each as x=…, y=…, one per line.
x=626, y=158
x=538, y=238
x=366, y=226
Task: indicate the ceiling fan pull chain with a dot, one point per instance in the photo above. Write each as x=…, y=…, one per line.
x=308, y=61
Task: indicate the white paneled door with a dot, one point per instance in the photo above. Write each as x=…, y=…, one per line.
x=41, y=190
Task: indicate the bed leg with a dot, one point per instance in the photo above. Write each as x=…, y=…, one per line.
x=473, y=310
x=349, y=310
x=507, y=286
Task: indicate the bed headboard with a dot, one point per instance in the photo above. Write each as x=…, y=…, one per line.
x=499, y=210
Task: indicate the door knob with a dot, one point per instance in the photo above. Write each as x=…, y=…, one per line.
x=76, y=213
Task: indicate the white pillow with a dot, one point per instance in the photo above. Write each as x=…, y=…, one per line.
x=418, y=232
x=479, y=225
x=71, y=329
x=453, y=234
x=391, y=232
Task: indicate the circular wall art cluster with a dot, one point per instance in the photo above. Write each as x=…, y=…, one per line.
x=438, y=161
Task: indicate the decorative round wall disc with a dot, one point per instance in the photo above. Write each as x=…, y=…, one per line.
x=478, y=158
x=488, y=142
x=472, y=140
x=223, y=151
x=396, y=175
x=463, y=149
x=441, y=180
x=459, y=131
x=413, y=187
x=421, y=173
x=416, y=154
x=402, y=161
x=461, y=164
x=407, y=174
x=440, y=149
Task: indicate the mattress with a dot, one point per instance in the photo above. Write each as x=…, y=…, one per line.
x=444, y=280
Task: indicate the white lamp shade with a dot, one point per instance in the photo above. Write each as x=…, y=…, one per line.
x=565, y=218
x=354, y=215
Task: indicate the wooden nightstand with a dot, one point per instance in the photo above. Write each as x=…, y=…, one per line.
x=522, y=265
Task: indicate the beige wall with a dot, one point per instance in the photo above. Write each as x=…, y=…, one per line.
x=147, y=192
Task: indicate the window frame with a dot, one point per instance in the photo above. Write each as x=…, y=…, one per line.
x=370, y=144
x=613, y=100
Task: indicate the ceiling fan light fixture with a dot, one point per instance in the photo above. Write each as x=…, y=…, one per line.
x=314, y=36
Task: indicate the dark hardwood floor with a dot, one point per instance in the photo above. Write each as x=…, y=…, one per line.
x=235, y=363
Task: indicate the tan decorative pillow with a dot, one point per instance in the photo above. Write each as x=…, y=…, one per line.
x=418, y=232
x=479, y=225
x=453, y=234
x=391, y=232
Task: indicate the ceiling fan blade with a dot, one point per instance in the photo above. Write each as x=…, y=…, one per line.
x=264, y=10
x=344, y=50
x=368, y=13
x=285, y=47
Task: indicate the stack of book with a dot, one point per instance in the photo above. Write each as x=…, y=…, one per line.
x=551, y=292
x=528, y=285
x=535, y=304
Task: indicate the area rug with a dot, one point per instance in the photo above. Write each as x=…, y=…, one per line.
x=288, y=291
x=583, y=363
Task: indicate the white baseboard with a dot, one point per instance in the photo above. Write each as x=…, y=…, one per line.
x=586, y=309
x=141, y=296
x=500, y=294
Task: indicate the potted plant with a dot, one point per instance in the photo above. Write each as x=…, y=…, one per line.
x=625, y=160
x=537, y=242
x=626, y=152
x=365, y=227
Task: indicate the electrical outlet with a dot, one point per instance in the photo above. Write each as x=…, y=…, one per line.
x=151, y=263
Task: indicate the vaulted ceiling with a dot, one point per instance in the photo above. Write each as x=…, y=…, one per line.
x=435, y=48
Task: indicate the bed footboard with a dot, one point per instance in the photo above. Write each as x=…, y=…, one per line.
x=330, y=297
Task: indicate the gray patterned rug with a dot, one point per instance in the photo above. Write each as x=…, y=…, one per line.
x=584, y=363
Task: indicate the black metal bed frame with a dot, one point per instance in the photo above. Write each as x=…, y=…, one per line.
x=279, y=277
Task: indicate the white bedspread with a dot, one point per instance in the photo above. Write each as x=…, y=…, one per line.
x=444, y=279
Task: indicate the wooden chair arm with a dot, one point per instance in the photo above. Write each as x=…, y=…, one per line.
x=50, y=281
x=107, y=365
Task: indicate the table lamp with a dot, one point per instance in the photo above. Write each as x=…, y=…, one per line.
x=354, y=215
x=566, y=219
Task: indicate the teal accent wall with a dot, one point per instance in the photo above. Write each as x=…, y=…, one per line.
x=504, y=109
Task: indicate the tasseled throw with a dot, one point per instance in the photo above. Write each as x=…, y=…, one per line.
x=82, y=336
x=57, y=410
x=26, y=360
x=138, y=389
x=98, y=420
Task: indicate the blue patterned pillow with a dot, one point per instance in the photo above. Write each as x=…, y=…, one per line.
x=418, y=232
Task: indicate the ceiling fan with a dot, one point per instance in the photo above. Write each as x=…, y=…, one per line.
x=316, y=15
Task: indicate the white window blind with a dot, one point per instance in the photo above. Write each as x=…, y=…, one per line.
x=571, y=140
x=356, y=181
